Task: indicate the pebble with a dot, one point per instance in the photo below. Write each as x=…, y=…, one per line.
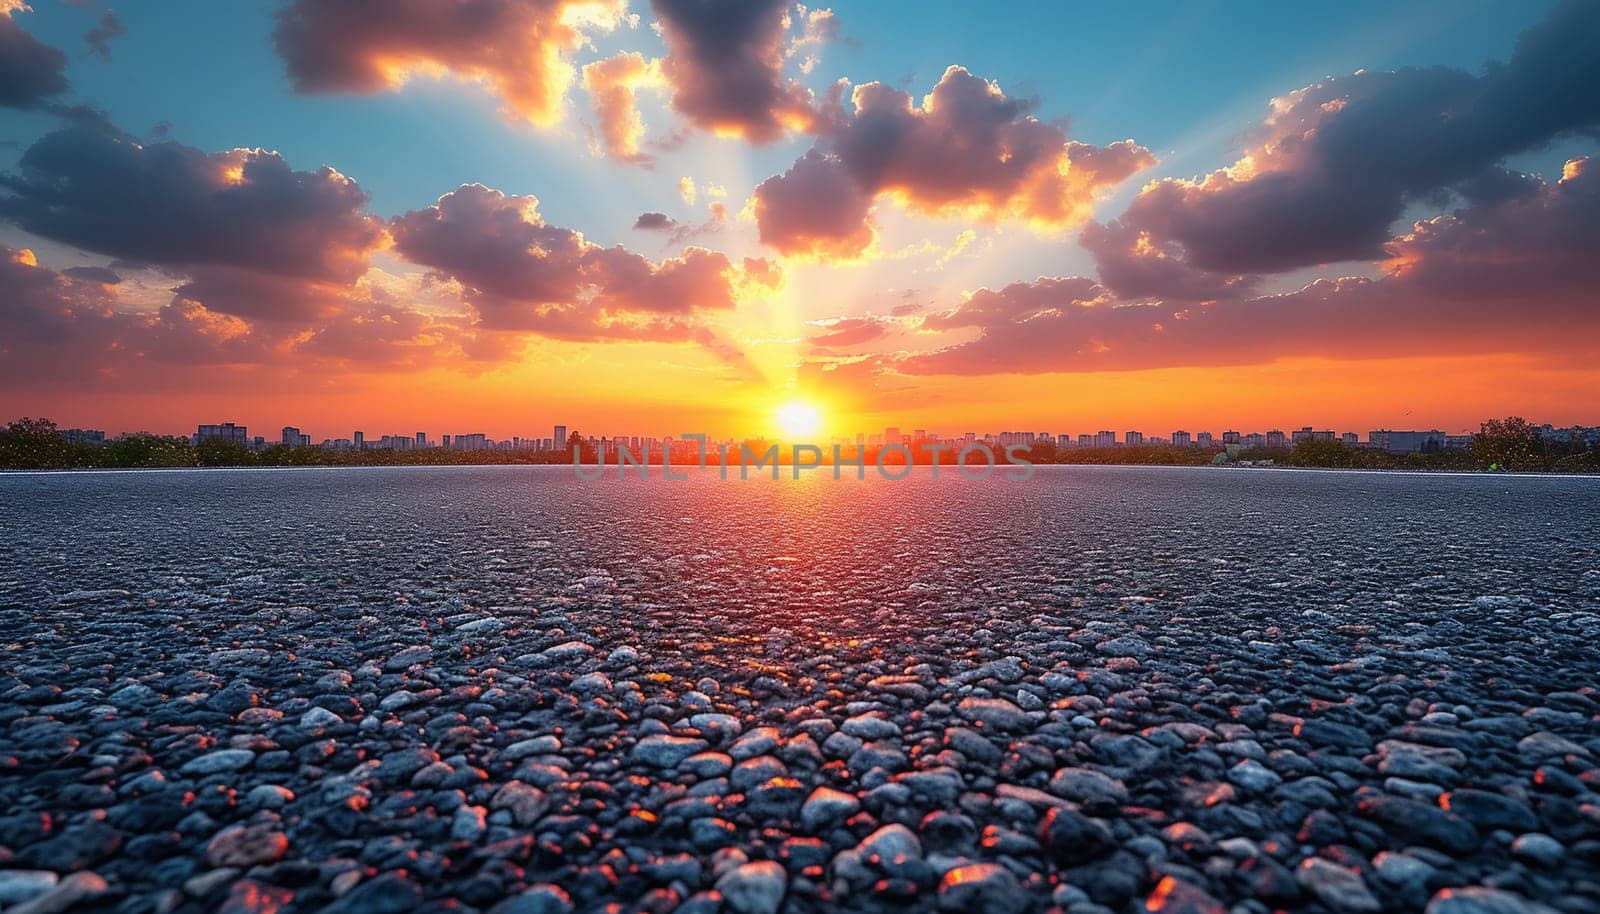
x=1480, y=900
x=219, y=762
x=998, y=713
x=247, y=845
x=1337, y=887
x=1541, y=849
x=754, y=888
x=21, y=885
x=665, y=751
x=826, y=807
x=542, y=898
x=981, y=888
x=70, y=892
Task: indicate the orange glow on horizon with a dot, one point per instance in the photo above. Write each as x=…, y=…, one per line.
x=599, y=389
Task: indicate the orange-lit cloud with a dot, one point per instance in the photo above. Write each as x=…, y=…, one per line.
x=519, y=49
x=848, y=332
x=611, y=84
x=522, y=273
x=967, y=150
x=1513, y=276
x=1334, y=164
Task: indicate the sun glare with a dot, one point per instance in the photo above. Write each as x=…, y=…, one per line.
x=798, y=421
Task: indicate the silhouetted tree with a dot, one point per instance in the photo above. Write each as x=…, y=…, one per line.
x=1512, y=443
x=34, y=444
x=220, y=452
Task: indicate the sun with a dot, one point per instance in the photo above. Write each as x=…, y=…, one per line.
x=799, y=421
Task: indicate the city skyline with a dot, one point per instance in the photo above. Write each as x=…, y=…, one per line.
x=1388, y=439
x=626, y=213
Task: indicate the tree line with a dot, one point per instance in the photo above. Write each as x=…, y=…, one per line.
x=1501, y=444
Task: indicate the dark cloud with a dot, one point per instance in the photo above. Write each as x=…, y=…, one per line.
x=30, y=70
x=967, y=150
x=60, y=331
x=519, y=48
x=1336, y=163
x=1524, y=246
x=815, y=209
x=725, y=62
x=1139, y=264
x=177, y=206
x=677, y=232
x=99, y=37
x=262, y=296
x=520, y=272
x=1512, y=276
x=103, y=275
x=69, y=331
x=655, y=222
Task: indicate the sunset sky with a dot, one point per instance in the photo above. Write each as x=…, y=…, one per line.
x=664, y=216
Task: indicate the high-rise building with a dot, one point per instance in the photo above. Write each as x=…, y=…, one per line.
x=1105, y=438
x=920, y=434
x=422, y=441
x=1203, y=439
x=226, y=431
x=561, y=437
x=1307, y=433
x=1276, y=438
x=1181, y=439
x=1230, y=437
x=293, y=438
x=1133, y=439
x=359, y=440
x=891, y=435
x=1350, y=438
x=1406, y=442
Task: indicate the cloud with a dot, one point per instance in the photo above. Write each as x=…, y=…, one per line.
x=520, y=272
x=677, y=232
x=1334, y=164
x=817, y=27
x=262, y=296
x=815, y=209
x=847, y=332
x=967, y=150
x=656, y=222
x=518, y=49
x=69, y=330
x=103, y=275
x=611, y=84
x=1510, y=276
x=99, y=37
x=63, y=330
x=173, y=205
x=725, y=62
x=1540, y=242
x=30, y=70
